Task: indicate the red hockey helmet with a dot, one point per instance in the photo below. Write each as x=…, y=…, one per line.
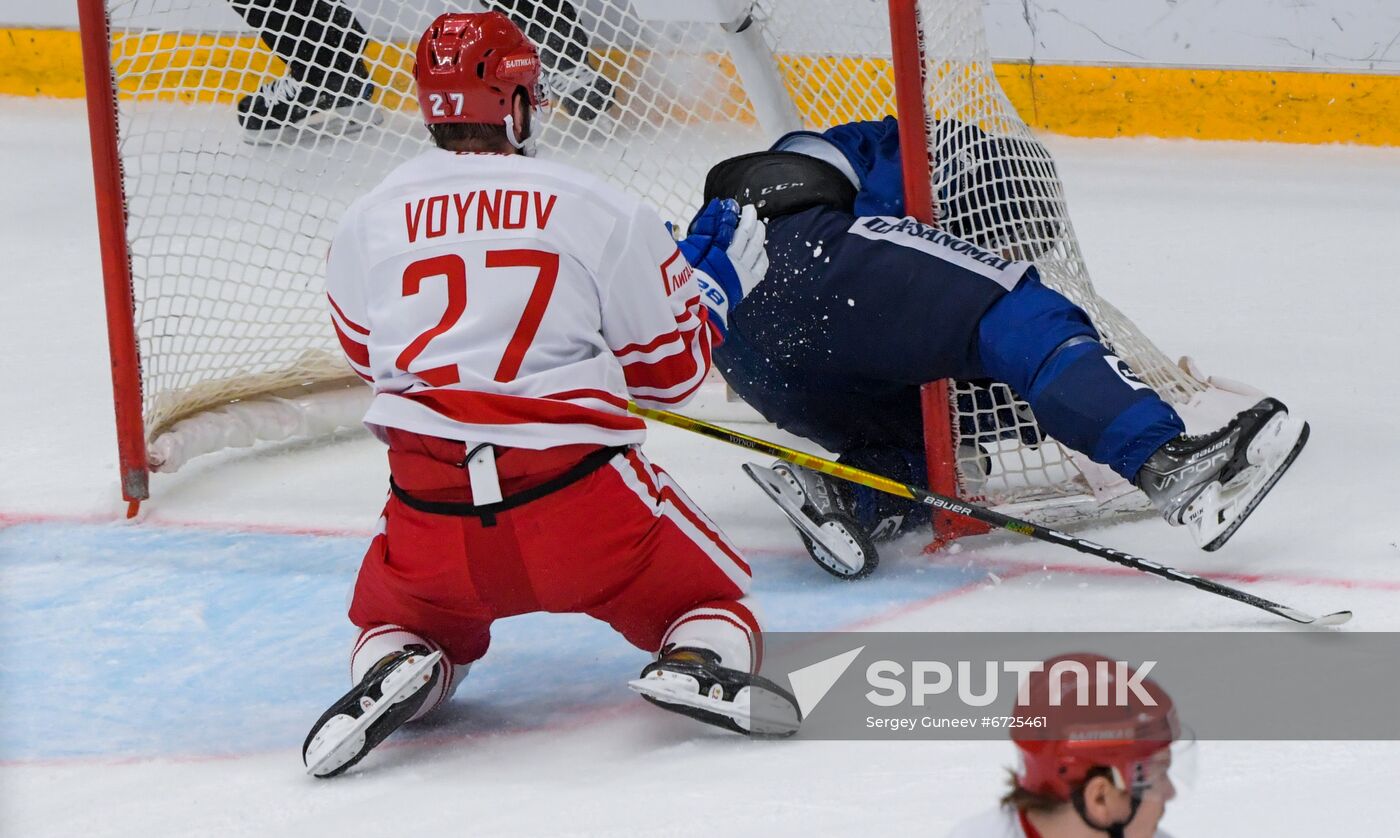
x=469, y=67
x=1132, y=739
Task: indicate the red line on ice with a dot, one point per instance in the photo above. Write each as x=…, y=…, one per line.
x=258, y=528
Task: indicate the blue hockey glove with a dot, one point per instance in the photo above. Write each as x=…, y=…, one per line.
x=726, y=246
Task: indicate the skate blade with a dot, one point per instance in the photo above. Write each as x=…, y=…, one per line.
x=1273, y=450
x=780, y=485
x=675, y=694
x=838, y=532
x=831, y=538
x=352, y=739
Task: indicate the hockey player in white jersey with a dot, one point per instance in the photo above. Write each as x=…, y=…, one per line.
x=1088, y=769
x=504, y=309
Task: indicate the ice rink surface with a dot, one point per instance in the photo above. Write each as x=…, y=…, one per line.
x=157, y=678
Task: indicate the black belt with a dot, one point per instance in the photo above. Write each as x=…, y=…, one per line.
x=488, y=512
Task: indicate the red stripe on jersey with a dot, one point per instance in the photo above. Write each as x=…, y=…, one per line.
x=673, y=370
x=665, y=493
x=692, y=309
x=676, y=399
x=354, y=350
x=476, y=408
x=661, y=340
x=600, y=395
x=651, y=345
x=351, y=323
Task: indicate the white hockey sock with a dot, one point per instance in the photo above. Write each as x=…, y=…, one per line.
x=374, y=643
x=729, y=629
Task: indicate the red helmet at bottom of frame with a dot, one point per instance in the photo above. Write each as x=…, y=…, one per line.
x=1076, y=723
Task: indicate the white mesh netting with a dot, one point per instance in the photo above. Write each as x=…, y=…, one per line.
x=228, y=237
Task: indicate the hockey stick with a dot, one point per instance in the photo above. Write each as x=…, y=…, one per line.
x=979, y=513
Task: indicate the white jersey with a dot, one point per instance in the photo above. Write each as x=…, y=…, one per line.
x=1003, y=822
x=505, y=299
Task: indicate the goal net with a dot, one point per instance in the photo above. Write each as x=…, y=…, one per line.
x=214, y=246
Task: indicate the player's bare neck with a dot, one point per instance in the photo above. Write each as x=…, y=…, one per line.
x=474, y=147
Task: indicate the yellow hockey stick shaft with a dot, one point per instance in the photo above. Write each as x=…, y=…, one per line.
x=981, y=513
x=772, y=449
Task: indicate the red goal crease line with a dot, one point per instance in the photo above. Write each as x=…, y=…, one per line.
x=1006, y=569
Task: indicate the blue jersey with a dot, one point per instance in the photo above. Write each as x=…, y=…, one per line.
x=853, y=316
x=855, y=313
x=859, y=309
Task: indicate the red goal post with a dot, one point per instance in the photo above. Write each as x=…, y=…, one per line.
x=116, y=260
x=910, y=78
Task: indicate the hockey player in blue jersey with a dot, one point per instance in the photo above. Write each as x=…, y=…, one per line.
x=862, y=304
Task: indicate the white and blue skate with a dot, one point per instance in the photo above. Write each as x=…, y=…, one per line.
x=1212, y=483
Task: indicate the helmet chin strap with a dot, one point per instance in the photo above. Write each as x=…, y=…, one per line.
x=525, y=146
x=1113, y=830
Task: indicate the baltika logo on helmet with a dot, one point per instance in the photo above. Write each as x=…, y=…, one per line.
x=518, y=62
x=523, y=68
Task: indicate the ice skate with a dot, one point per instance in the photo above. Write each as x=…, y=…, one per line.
x=691, y=682
x=580, y=91
x=389, y=694
x=819, y=512
x=285, y=109
x=1211, y=483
